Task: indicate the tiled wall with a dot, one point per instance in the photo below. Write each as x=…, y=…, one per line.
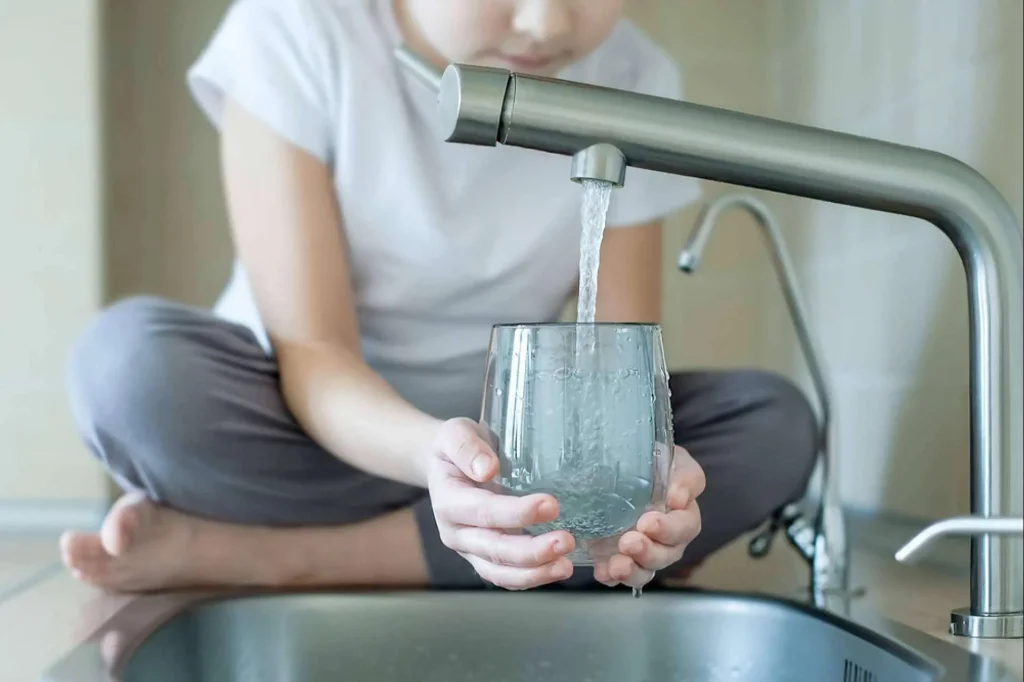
x=50, y=180
x=887, y=294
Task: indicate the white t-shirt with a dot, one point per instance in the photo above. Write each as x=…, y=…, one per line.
x=446, y=240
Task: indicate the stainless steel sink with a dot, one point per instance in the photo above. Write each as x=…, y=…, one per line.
x=499, y=637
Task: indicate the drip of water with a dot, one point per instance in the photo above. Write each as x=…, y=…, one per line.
x=637, y=591
x=597, y=196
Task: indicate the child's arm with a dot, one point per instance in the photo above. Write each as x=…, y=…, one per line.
x=285, y=223
x=629, y=276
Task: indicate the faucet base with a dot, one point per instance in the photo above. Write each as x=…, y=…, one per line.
x=963, y=623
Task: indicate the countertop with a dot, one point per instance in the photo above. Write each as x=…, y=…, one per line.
x=44, y=612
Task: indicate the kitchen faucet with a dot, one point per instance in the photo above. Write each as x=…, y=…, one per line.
x=820, y=541
x=605, y=131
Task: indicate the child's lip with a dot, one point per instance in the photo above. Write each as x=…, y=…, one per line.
x=527, y=61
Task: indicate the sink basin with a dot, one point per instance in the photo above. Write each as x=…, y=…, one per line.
x=505, y=637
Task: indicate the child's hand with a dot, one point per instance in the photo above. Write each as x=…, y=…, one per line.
x=473, y=521
x=659, y=539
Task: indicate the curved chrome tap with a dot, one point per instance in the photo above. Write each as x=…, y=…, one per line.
x=693, y=251
x=488, y=106
x=823, y=545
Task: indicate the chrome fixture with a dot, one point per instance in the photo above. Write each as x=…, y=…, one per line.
x=963, y=621
x=487, y=106
x=821, y=540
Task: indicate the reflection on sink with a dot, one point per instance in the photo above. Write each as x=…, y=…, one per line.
x=529, y=637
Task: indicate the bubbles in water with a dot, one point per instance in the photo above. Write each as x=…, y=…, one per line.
x=594, y=501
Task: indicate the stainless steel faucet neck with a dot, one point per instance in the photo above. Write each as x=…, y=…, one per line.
x=488, y=106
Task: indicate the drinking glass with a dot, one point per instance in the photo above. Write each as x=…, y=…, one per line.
x=581, y=412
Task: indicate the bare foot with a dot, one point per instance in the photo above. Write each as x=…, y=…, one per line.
x=141, y=546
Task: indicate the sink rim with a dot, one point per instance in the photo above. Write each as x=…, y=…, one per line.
x=141, y=617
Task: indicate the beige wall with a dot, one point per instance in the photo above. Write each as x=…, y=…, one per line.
x=716, y=317
x=166, y=225
x=50, y=189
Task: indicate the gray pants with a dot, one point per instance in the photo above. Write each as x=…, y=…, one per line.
x=187, y=407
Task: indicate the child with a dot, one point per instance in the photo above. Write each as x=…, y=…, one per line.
x=317, y=427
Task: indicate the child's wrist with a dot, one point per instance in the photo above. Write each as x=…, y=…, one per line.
x=425, y=450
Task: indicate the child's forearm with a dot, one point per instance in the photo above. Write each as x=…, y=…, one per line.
x=353, y=413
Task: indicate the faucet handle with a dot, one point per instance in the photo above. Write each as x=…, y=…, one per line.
x=961, y=525
x=419, y=67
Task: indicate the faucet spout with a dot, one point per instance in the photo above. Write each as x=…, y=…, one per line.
x=490, y=106
x=601, y=162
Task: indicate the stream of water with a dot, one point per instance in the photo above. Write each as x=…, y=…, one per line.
x=597, y=197
x=594, y=215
